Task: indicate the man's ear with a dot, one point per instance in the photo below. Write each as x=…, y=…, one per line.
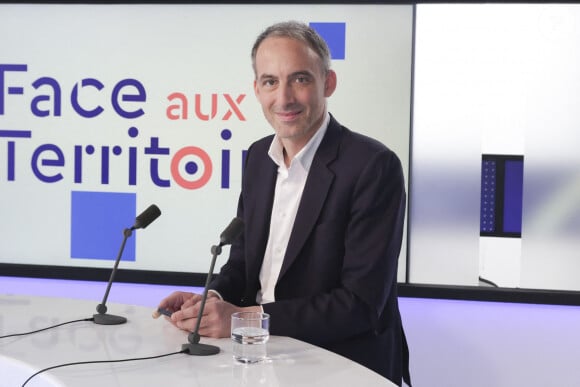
x=330, y=83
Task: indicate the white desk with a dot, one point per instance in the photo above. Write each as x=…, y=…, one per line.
x=292, y=363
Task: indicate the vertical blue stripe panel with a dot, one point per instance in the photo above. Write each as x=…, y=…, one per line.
x=488, y=192
x=514, y=182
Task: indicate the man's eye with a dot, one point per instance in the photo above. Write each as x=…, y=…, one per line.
x=302, y=79
x=269, y=82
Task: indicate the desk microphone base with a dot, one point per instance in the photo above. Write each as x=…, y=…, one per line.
x=108, y=319
x=200, y=349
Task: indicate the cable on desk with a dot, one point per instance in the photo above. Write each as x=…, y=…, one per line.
x=104, y=361
x=44, y=329
x=489, y=282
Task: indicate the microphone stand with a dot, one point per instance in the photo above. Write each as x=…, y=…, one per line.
x=194, y=347
x=102, y=318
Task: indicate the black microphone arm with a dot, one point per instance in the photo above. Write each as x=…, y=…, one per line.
x=194, y=347
x=142, y=221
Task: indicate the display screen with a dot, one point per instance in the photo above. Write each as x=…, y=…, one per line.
x=106, y=109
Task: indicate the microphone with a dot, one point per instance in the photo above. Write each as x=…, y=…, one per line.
x=141, y=221
x=194, y=347
x=146, y=217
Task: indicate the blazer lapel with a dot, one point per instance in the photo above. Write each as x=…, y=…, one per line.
x=318, y=183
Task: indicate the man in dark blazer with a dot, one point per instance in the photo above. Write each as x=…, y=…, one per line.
x=323, y=211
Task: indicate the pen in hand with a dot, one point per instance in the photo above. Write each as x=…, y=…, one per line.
x=161, y=311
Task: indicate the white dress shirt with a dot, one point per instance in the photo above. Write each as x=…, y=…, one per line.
x=288, y=192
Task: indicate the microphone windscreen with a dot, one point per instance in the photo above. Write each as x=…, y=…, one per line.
x=231, y=232
x=147, y=216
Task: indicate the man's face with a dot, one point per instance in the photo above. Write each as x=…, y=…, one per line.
x=291, y=87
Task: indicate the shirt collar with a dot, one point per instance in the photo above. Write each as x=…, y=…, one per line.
x=306, y=154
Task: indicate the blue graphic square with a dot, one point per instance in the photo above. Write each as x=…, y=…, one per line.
x=335, y=36
x=98, y=220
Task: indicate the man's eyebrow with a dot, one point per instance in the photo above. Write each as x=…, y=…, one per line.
x=300, y=73
x=266, y=76
x=291, y=76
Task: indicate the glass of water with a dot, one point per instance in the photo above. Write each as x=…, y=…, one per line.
x=250, y=333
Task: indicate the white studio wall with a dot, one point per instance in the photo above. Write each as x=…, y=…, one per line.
x=455, y=343
x=496, y=79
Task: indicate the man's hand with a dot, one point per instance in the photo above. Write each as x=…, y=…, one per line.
x=216, y=319
x=175, y=300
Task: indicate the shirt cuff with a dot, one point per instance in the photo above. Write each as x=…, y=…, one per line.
x=216, y=293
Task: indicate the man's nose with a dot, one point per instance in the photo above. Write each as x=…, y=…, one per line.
x=286, y=93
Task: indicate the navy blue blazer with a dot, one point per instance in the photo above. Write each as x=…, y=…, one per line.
x=338, y=284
